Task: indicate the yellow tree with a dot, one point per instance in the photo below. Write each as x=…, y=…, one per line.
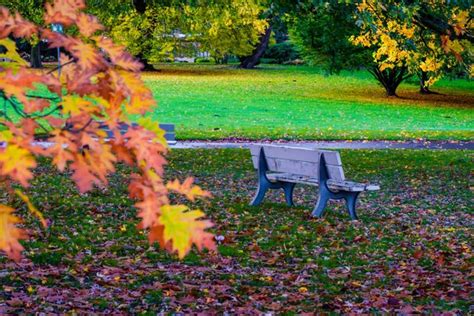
x=416, y=37
x=158, y=31
x=99, y=84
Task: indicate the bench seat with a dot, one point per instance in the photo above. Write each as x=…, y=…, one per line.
x=336, y=185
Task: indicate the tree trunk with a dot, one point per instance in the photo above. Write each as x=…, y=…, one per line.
x=424, y=89
x=35, y=57
x=140, y=6
x=146, y=64
x=251, y=61
x=390, y=79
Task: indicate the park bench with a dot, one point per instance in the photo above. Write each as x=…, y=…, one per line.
x=169, y=129
x=282, y=167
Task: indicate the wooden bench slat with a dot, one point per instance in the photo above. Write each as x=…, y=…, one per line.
x=332, y=184
x=169, y=129
x=304, y=168
x=297, y=153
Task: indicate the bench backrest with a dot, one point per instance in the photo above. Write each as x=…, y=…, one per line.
x=169, y=129
x=299, y=160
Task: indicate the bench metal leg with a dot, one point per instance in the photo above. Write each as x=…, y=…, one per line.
x=288, y=187
x=260, y=195
x=264, y=184
x=351, y=200
x=321, y=204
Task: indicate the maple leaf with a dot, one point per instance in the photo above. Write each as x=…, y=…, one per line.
x=141, y=142
x=183, y=228
x=141, y=99
x=153, y=126
x=36, y=105
x=32, y=208
x=10, y=234
x=88, y=24
x=16, y=84
x=118, y=55
x=63, y=11
x=149, y=209
x=88, y=57
x=121, y=152
x=61, y=149
x=188, y=189
x=11, y=53
x=156, y=234
x=74, y=104
x=16, y=162
x=82, y=175
x=15, y=25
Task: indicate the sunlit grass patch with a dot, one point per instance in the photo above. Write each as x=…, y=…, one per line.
x=215, y=102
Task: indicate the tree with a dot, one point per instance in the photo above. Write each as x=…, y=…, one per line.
x=161, y=30
x=100, y=84
x=425, y=39
x=313, y=30
x=273, y=14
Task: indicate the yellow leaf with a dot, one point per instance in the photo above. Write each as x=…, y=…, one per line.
x=15, y=162
x=10, y=234
x=154, y=127
x=74, y=104
x=187, y=189
x=183, y=228
x=11, y=53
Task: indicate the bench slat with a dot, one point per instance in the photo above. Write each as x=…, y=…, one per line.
x=169, y=129
x=297, y=153
x=304, y=168
x=332, y=184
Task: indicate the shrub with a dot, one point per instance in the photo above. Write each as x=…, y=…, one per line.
x=282, y=52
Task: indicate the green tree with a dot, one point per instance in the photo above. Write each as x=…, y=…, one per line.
x=273, y=14
x=322, y=31
x=161, y=30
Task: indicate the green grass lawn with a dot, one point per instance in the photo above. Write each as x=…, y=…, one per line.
x=410, y=252
x=288, y=102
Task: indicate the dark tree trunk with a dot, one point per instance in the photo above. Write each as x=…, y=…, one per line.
x=251, y=61
x=144, y=61
x=423, y=88
x=140, y=6
x=390, y=79
x=35, y=57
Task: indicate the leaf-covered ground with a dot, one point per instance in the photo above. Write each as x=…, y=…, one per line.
x=410, y=252
x=215, y=102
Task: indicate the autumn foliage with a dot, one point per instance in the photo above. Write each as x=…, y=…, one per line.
x=99, y=84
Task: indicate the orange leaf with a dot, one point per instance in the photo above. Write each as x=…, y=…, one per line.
x=187, y=189
x=63, y=11
x=149, y=208
x=118, y=55
x=88, y=24
x=10, y=234
x=15, y=25
x=82, y=175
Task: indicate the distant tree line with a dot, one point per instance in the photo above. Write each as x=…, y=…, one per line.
x=392, y=39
